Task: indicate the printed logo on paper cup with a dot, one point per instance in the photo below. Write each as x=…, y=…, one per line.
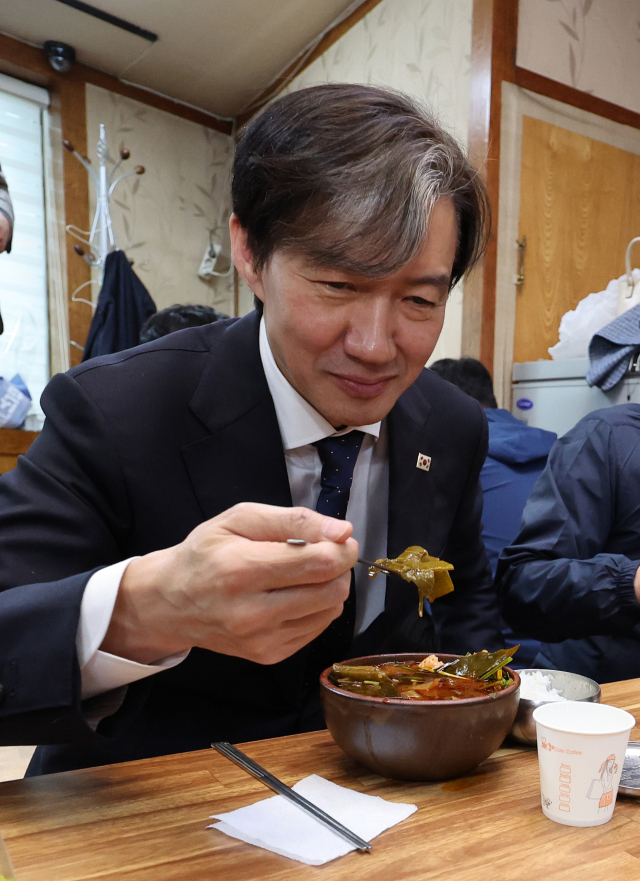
x=556, y=749
x=601, y=787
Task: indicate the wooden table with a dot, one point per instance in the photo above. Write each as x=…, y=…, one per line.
x=145, y=821
x=14, y=442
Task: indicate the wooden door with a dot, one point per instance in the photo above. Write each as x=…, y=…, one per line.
x=579, y=208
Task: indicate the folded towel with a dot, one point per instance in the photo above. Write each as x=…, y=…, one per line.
x=612, y=348
x=276, y=824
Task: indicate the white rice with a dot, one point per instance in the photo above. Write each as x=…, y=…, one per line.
x=535, y=686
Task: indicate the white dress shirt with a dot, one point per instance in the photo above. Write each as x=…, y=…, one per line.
x=300, y=425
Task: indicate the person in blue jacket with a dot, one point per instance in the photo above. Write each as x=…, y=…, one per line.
x=572, y=576
x=516, y=457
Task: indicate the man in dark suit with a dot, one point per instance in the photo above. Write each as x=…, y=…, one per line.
x=151, y=603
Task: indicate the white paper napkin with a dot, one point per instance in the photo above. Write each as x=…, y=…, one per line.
x=276, y=824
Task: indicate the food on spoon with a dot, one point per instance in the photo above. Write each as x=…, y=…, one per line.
x=429, y=574
x=472, y=676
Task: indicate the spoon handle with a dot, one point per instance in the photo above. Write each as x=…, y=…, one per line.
x=384, y=569
x=368, y=563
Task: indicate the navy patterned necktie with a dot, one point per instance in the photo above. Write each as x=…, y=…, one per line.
x=338, y=456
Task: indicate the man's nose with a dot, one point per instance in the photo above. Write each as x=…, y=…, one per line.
x=370, y=336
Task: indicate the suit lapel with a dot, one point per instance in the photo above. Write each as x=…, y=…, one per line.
x=410, y=489
x=242, y=458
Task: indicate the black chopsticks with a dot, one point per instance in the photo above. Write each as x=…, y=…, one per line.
x=243, y=761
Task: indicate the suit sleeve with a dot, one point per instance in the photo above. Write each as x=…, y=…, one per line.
x=468, y=619
x=557, y=581
x=63, y=513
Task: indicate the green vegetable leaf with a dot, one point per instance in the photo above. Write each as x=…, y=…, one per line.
x=481, y=665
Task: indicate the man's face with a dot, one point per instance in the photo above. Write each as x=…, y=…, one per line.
x=350, y=344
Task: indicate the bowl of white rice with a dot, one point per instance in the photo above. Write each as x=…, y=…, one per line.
x=539, y=687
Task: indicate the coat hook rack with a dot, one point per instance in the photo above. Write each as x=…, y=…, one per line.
x=100, y=240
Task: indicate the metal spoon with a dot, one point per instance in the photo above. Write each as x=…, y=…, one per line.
x=368, y=563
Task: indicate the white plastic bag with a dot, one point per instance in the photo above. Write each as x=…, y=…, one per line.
x=590, y=315
x=629, y=291
x=15, y=402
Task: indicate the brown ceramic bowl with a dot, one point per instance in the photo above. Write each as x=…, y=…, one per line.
x=417, y=740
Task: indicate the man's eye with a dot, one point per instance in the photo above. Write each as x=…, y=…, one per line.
x=337, y=285
x=420, y=301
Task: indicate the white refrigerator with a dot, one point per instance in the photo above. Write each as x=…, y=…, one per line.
x=554, y=394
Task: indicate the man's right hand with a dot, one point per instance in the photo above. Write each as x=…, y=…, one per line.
x=236, y=587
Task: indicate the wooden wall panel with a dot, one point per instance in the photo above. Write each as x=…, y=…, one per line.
x=493, y=59
x=542, y=85
x=579, y=207
x=76, y=202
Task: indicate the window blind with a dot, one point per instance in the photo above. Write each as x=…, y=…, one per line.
x=24, y=346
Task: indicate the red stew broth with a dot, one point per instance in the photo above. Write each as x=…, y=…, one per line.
x=431, y=687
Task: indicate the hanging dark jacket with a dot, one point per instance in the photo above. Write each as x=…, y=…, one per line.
x=123, y=307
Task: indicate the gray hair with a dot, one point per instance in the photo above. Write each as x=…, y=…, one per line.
x=348, y=176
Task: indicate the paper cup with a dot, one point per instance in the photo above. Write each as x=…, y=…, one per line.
x=581, y=748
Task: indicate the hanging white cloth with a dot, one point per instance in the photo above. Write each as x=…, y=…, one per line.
x=592, y=313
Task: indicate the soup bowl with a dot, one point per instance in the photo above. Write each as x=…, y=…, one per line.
x=417, y=740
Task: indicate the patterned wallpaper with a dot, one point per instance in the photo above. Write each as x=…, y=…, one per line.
x=162, y=219
x=592, y=45
x=421, y=47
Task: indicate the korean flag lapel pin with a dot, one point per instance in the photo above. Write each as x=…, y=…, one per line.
x=424, y=462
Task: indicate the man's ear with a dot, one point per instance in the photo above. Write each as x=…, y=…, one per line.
x=243, y=258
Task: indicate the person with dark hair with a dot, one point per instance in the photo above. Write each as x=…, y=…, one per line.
x=369, y=167
x=516, y=458
x=178, y=317
x=469, y=375
x=145, y=534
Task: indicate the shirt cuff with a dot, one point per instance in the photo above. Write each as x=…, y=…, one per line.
x=101, y=671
